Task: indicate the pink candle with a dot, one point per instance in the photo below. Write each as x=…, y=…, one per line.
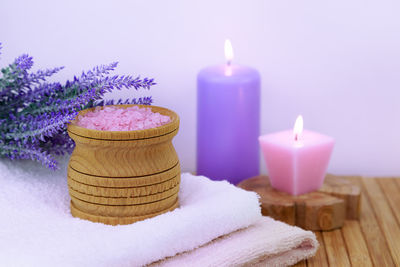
x=296, y=160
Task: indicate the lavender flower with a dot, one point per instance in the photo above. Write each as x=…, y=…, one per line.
x=17, y=150
x=34, y=113
x=139, y=101
x=24, y=62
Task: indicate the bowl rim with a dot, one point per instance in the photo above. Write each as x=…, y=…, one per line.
x=165, y=129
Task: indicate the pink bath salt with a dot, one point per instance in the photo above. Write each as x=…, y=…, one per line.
x=122, y=119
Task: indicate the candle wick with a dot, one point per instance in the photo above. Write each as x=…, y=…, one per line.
x=296, y=137
x=228, y=69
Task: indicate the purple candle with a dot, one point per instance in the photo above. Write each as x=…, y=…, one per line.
x=228, y=121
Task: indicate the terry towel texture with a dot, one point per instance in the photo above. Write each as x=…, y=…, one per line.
x=36, y=228
x=266, y=243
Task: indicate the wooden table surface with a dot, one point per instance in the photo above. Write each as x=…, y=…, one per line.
x=374, y=240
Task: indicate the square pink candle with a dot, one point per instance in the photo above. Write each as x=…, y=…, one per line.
x=296, y=161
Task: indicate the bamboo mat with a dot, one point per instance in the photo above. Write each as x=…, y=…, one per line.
x=374, y=240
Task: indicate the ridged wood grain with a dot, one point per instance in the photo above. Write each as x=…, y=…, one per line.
x=368, y=241
x=344, y=189
x=320, y=258
x=375, y=239
x=355, y=244
x=335, y=248
x=122, y=158
x=385, y=217
x=129, y=174
x=130, y=192
x=319, y=210
x=117, y=220
x=124, y=210
x=124, y=153
x=112, y=182
x=124, y=200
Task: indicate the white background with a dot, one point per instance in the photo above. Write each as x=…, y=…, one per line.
x=335, y=62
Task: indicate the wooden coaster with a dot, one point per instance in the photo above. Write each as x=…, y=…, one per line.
x=127, y=192
x=117, y=220
x=344, y=189
x=124, y=181
x=325, y=209
x=124, y=210
x=124, y=200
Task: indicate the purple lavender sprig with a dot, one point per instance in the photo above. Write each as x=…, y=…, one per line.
x=147, y=100
x=30, y=128
x=34, y=113
x=18, y=150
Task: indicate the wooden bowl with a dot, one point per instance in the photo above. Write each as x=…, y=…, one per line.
x=124, y=153
x=123, y=174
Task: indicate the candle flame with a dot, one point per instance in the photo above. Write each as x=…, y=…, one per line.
x=228, y=51
x=298, y=128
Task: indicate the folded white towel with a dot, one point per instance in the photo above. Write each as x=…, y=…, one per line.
x=36, y=228
x=266, y=243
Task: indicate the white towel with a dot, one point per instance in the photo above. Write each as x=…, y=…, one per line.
x=266, y=243
x=36, y=228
